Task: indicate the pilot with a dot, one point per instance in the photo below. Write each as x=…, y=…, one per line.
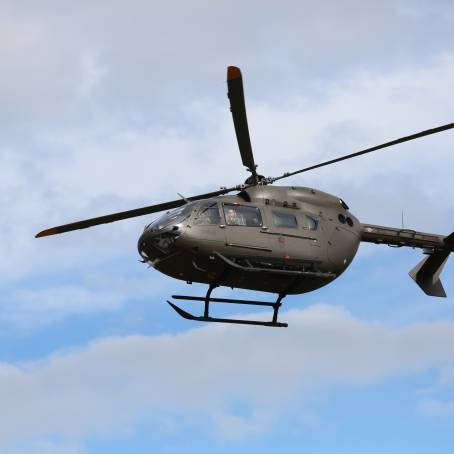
x=234, y=218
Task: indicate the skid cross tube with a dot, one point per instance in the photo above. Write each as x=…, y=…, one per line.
x=223, y=300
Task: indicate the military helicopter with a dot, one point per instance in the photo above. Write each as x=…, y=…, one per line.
x=276, y=239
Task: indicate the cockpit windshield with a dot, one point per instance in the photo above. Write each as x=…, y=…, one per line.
x=173, y=217
x=208, y=214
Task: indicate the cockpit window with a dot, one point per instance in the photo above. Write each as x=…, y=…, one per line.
x=310, y=223
x=244, y=215
x=173, y=217
x=286, y=220
x=208, y=214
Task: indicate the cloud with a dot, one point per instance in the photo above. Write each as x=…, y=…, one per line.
x=34, y=306
x=162, y=55
x=236, y=428
x=108, y=106
x=112, y=383
x=110, y=166
x=44, y=446
x=30, y=309
x=92, y=74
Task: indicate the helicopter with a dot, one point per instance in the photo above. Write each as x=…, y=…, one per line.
x=283, y=240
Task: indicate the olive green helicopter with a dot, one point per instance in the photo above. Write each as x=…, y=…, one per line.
x=277, y=239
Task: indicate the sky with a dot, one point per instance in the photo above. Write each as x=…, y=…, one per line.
x=113, y=105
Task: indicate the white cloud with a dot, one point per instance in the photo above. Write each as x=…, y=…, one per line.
x=92, y=74
x=39, y=305
x=236, y=428
x=35, y=308
x=110, y=384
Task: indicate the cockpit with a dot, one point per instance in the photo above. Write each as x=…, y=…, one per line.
x=172, y=218
x=158, y=238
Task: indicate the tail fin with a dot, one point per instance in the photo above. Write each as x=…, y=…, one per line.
x=427, y=272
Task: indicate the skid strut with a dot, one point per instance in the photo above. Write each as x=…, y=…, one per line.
x=207, y=300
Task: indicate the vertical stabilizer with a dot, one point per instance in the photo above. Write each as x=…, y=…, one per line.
x=427, y=273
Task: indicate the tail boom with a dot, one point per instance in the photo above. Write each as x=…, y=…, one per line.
x=437, y=247
x=405, y=237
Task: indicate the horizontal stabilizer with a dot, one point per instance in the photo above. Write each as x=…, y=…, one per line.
x=427, y=273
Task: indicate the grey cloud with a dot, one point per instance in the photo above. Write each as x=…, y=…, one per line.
x=156, y=56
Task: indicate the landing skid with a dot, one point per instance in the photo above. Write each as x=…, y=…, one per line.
x=207, y=300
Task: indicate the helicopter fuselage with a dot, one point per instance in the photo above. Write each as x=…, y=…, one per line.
x=297, y=239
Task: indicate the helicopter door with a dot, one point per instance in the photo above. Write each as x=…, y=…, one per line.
x=295, y=236
x=244, y=228
x=206, y=223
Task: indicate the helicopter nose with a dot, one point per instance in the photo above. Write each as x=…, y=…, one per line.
x=153, y=245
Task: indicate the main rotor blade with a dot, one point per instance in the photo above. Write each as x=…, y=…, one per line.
x=368, y=150
x=238, y=109
x=130, y=213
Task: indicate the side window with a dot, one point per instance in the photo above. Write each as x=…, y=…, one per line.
x=244, y=215
x=208, y=214
x=310, y=223
x=286, y=220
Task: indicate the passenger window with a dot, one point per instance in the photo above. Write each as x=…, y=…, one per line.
x=243, y=215
x=208, y=215
x=310, y=223
x=286, y=220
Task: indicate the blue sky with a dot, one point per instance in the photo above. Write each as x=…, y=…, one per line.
x=109, y=106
